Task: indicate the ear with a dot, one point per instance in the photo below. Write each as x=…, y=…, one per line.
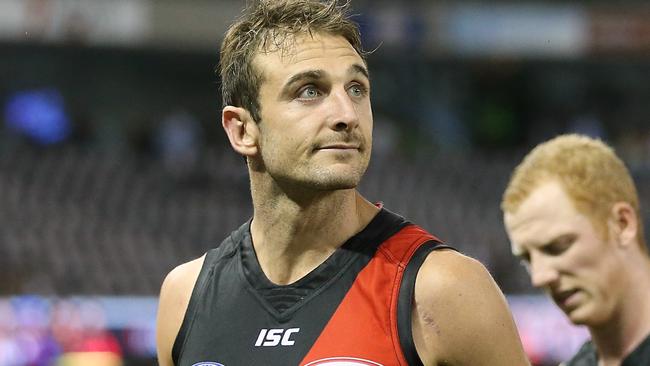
x=241, y=129
x=625, y=224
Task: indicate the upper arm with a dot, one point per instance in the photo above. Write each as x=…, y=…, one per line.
x=175, y=294
x=460, y=316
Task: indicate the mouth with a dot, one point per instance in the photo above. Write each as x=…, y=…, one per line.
x=338, y=147
x=566, y=299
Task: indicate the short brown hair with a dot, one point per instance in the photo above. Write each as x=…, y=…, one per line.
x=267, y=23
x=589, y=170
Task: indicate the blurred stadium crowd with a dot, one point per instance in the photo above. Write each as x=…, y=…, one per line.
x=114, y=169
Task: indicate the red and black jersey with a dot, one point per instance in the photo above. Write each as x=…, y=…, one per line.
x=354, y=309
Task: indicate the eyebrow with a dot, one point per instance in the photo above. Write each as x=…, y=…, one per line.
x=318, y=74
x=520, y=252
x=302, y=76
x=358, y=69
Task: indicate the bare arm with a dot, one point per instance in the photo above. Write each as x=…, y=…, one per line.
x=174, y=297
x=460, y=316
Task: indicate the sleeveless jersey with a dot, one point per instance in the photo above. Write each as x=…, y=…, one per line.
x=588, y=356
x=354, y=309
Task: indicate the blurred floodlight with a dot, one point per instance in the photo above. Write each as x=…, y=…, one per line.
x=38, y=115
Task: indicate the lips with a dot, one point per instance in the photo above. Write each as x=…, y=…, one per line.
x=339, y=147
x=565, y=299
x=351, y=144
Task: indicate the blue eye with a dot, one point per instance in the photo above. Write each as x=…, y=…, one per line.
x=309, y=92
x=358, y=90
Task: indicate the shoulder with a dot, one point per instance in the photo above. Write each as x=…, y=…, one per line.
x=641, y=354
x=460, y=314
x=448, y=272
x=182, y=277
x=450, y=283
x=175, y=294
x=447, y=276
x=586, y=355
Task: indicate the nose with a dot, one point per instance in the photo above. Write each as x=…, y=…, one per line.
x=344, y=112
x=542, y=272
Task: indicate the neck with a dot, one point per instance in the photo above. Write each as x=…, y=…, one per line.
x=294, y=234
x=630, y=325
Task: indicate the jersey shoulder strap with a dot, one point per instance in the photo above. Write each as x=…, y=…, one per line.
x=226, y=249
x=410, y=248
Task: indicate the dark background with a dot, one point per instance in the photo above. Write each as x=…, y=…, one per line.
x=140, y=177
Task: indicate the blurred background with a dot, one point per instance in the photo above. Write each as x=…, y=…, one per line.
x=114, y=167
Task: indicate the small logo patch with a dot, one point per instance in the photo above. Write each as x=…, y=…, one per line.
x=207, y=364
x=343, y=361
x=276, y=337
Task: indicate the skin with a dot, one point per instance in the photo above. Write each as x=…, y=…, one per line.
x=597, y=282
x=305, y=158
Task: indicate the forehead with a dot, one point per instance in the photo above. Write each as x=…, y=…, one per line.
x=545, y=214
x=305, y=51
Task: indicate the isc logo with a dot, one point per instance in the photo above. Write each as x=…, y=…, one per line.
x=275, y=337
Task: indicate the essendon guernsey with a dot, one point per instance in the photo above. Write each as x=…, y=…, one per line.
x=354, y=309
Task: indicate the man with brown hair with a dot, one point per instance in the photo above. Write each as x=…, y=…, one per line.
x=319, y=275
x=572, y=213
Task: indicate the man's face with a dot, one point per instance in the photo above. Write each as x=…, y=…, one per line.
x=316, y=118
x=565, y=254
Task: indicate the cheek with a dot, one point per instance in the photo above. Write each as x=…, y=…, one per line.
x=596, y=269
x=608, y=272
x=366, y=114
x=366, y=127
x=279, y=144
x=584, y=264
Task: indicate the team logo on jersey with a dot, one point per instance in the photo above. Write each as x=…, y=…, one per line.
x=343, y=361
x=276, y=337
x=207, y=364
